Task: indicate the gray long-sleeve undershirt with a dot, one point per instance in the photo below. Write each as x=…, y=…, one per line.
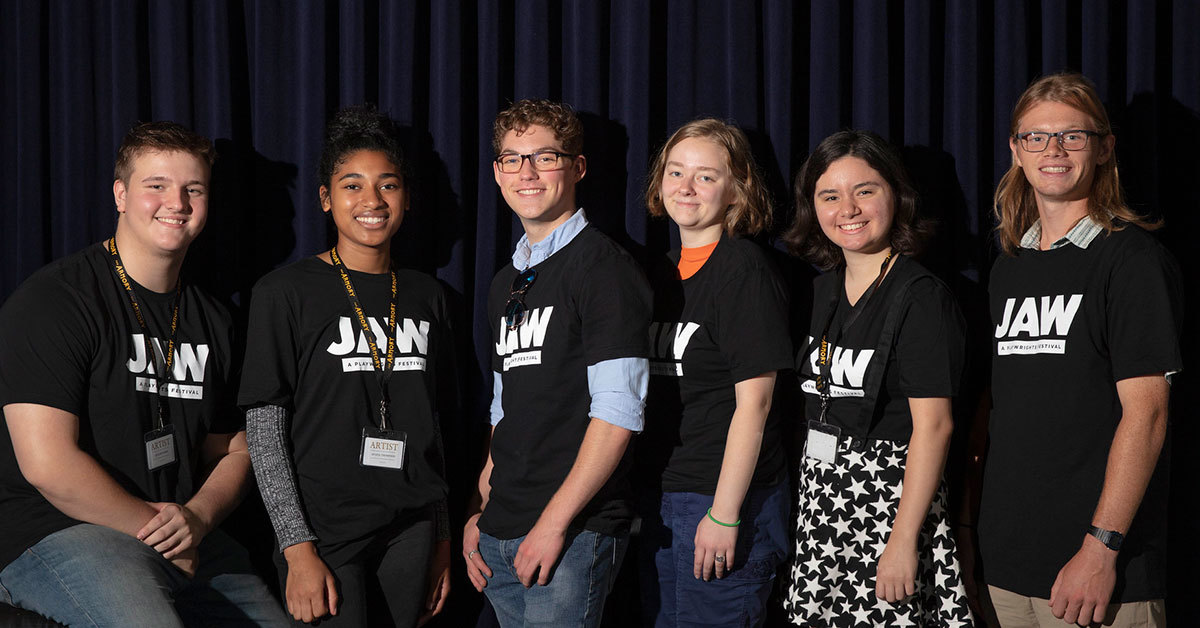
x=266, y=434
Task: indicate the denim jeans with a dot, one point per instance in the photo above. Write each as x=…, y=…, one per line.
x=673, y=596
x=579, y=582
x=90, y=575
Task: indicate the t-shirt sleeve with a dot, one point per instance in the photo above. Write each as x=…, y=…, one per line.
x=614, y=307
x=269, y=370
x=1144, y=310
x=931, y=342
x=47, y=340
x=751, y=323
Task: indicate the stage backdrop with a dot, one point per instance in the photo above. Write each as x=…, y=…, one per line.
x=938, y=77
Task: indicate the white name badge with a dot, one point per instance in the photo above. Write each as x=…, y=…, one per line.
x=160, y=447
x=382, y=448
x=822, y=442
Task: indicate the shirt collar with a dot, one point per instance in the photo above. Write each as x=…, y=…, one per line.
x=527, y=254
x=1081, y=235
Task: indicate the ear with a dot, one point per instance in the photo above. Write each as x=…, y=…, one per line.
x=326, y=202
x=119, y=195
x=496, y=171
x=580, y=167
x=1012, y=145
x=1107, y=144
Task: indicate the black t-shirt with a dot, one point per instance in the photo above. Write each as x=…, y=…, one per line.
x=1070, y=323
x=306, y=352
x=69, y=340
x=926, y=357
x=725, y=324
x=589, y=303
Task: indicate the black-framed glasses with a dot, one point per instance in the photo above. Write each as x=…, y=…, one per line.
x=515, y=310
x=543, y=160
x=1073, y=139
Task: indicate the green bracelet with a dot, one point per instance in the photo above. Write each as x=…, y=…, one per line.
x=721, y=523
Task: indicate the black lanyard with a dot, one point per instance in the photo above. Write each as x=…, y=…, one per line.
x=162, y=375
x=382, y=373
x=824, y=367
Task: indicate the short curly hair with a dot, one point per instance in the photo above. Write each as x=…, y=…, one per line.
x=556, y=116
x=160, y=136
x=750, y=212
x=355, y=128
x=805, y=237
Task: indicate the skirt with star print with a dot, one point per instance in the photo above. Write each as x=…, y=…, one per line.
x=846, y=511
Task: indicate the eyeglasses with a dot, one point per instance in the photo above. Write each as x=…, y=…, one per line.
x=1074, y=139
x=543, y=160
x=515, y=310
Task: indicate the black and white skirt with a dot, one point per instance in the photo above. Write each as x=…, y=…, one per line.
x=845, y=516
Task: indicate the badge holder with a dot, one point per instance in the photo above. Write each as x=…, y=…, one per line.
x=160, y=447
x=382, y=448
x=822, y=442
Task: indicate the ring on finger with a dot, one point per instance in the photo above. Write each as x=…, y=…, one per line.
x=472, y=553
x=720, y=559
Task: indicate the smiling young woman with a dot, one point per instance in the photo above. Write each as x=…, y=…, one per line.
x=715, y=496
x=356, y=493
x=883, y=359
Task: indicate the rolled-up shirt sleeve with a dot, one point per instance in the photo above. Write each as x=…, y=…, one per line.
x=618, y=389
x=496, y=411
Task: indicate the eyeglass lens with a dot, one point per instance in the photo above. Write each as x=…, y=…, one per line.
x=544, y=160
x=1037, y=141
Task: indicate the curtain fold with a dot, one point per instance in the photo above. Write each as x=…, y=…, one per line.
x=261, y=77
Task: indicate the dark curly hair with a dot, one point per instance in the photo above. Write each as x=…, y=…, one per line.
x=557, y=116
x=161, y=136
x=355, y=128
x=805, y=238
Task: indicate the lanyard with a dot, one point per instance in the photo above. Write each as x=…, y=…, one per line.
x=825, y=368
x=382, y=373
x=162, y=376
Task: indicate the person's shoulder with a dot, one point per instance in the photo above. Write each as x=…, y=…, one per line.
x=920, y=283
x=596, y=251
x=75, y=276
x=298, y=273
x=419, y=284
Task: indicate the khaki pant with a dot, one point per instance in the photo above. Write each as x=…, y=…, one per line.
x=1019, y=611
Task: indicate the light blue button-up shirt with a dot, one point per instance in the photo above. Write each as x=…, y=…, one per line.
x=617, y=386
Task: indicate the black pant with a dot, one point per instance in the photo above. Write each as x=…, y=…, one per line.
x=385, y=584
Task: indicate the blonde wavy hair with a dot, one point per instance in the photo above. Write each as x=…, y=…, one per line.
x=750, y=212
x=1014, y=203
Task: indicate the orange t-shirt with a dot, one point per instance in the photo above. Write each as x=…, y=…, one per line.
x=690, y=260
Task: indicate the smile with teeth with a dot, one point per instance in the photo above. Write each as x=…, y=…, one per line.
x=529, y=191
x=371, y=220
x=171, y=221
x=854, y=226
x=1054, y=169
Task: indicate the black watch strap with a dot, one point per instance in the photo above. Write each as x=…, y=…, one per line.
x=1112, y=540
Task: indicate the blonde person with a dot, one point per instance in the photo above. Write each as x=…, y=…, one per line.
x=713, y=541
x=1087, y=308
x=883, y=357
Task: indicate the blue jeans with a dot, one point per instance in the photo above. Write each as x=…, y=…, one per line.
x=579, y=582
x=673, y=596
x=90, y=575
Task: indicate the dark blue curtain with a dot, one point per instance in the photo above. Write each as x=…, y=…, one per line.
x=938, y=77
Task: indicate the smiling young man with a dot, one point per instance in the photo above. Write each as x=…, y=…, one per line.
x=122, y=449
x=570, y=358
x=1087, y=308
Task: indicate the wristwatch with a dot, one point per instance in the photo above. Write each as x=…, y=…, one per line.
x=1112, y=540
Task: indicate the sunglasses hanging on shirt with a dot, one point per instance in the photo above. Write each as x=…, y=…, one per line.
x=514, y=309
